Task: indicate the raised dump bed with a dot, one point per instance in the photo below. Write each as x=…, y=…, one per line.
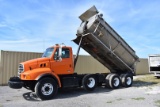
x=102, y=42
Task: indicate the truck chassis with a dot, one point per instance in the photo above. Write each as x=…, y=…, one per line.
x=47, y=86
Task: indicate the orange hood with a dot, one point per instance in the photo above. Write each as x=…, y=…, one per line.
x=35, y=63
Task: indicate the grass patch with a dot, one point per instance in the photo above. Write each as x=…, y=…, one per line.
x=146, y=80
x=1, y=105
x=119, y=99
x=139, y=98
x=157, y=103
x=109, y=101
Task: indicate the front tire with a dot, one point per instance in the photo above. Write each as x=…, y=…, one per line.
x=89, y=82
x=46, y=88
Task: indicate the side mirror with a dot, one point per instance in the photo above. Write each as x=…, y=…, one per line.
x=59, y=57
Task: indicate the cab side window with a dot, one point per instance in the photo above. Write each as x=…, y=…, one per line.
x=65, y=53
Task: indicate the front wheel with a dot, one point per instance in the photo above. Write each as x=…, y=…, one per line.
x=46, y=88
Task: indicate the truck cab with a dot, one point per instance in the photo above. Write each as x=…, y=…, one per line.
x=56, y=60
x=56, y=64
x=61, y=59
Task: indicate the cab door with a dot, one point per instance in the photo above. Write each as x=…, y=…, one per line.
x=64, y=66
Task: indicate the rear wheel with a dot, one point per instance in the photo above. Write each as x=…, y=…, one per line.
x=158, y=77
x=114, y=81
x=89, y=82
x=127, y=80
x=46, y=88
x=107, y=80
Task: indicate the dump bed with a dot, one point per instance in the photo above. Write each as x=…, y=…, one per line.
x=104, y=44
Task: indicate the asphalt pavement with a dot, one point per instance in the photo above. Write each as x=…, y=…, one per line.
x=139, y=95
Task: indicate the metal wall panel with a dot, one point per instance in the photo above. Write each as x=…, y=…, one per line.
x=10, y=61
x=142, y=67
x=87, y=64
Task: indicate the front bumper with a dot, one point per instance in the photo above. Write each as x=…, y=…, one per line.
x=15, y=83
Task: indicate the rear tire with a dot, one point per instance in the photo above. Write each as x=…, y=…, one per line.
x=89, y=82
x=107, y=80
x=127, y=80
x=114, y=81
x=46, y=88
x=158, y=77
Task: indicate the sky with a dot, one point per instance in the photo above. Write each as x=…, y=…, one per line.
x=34, y=25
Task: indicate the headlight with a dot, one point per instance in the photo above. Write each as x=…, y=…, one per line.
x=20, y=68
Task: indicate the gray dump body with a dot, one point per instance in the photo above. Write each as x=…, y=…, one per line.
x=104, y=44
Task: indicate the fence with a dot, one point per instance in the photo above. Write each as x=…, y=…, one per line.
x=9, y=61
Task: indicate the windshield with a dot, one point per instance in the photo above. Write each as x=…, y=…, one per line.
x=48, y=52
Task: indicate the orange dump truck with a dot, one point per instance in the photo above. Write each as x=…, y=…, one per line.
x=56, y=68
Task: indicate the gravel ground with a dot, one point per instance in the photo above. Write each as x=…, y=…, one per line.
x=139, y=95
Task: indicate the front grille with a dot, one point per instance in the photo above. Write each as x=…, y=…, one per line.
x=20, y=68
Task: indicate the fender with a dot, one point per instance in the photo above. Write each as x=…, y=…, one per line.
x=53, y=75
x=39, y=73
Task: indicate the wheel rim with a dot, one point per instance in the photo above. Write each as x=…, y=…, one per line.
x=47, y=89
x=116, y=82
x=129, y=80
x=91, y=82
